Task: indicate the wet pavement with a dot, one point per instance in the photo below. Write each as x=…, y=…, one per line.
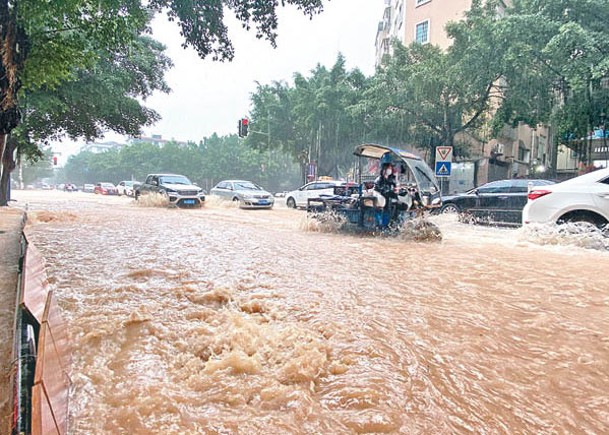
x=11, y=224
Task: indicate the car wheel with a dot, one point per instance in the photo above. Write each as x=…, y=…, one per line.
x=291, y=203
x=583, y=218
x=450, y=208
x=467, y=218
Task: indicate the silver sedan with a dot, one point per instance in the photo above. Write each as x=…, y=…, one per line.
x=248, y=194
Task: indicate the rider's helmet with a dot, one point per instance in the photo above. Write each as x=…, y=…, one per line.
x=386, y=159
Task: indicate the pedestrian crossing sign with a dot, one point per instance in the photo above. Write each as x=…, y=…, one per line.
x=443, y=169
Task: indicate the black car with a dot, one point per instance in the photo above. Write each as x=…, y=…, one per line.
x=498, y=202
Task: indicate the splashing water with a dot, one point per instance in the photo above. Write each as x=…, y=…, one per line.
x=152, y=200
x=220, y=202
x=329, y=221
x=580, y=234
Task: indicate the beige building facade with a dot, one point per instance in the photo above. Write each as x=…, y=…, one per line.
x=425, y=20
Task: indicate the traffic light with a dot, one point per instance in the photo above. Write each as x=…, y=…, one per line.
x=54, y=160
x=243, y=124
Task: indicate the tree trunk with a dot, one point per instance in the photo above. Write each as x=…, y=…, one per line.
x=14, y=47
x=3, y=193
x=8, y=166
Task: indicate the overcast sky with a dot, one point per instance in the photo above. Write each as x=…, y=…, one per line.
x=209, y=97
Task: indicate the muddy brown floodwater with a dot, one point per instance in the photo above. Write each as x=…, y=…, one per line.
x=222, y=320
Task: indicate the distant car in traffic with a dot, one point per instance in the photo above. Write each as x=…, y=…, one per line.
x=498, y=202
x=178, y=189
x=127, y=187
x=247, y=193
x=69, y=187
x=580, y=199
x=105, y=189
x=89, y=188
x=316, y=189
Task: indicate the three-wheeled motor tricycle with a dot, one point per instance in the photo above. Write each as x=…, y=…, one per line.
x=362, y=207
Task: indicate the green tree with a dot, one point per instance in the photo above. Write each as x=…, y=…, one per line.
x=427, y=96
x=214, y=159
x=42, y=43
x=559, y=56
x=105, y=97
x=313, y=120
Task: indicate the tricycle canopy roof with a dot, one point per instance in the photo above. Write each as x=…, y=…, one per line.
x=376, y=151
x=422, y=173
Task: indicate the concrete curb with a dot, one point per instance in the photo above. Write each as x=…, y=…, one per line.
x=12, y=223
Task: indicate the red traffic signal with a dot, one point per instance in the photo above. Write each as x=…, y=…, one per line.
x=54, y=160
x=243, y=124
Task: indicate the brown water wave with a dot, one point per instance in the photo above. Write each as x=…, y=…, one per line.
x=223, y=320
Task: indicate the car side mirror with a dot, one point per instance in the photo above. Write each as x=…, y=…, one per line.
x=476, y=192
x=154, y=183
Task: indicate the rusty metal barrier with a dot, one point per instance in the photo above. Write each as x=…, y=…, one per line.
x=41, y=353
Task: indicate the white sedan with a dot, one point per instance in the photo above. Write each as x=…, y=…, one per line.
x=580, y=199
x=316, y=189
x=126, y=188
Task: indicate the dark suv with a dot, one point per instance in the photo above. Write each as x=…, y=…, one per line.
x=178, y=189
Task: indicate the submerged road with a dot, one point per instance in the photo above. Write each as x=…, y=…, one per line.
x=222, y=320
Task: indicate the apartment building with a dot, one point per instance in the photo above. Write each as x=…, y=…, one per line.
x=517, y=152
x=425, y=20
x=421, y=21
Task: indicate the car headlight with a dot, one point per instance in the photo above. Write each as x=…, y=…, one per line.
x=246, y=196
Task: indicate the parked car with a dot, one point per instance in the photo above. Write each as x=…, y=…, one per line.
x=180, y=191
x=69, y=187
x=89, y=188
x=127, y=187
x=498, y=202
x=248, y=194
x=580, y=199
x=105, y=189
x=316, y=189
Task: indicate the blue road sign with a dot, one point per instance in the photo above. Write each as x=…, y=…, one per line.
x=443, y=169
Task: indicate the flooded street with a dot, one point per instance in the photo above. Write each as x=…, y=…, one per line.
x=222, y=320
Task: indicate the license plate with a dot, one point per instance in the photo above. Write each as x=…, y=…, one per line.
x=263, y=202
x=189, y=201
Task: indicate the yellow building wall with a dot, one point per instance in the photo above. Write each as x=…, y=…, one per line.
x=438, y=12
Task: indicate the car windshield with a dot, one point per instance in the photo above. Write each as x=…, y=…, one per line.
x=174, y=179
x=246, y=185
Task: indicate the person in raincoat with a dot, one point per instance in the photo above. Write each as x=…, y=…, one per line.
x=386, y=183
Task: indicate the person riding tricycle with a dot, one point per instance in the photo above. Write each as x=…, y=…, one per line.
x=394, y=186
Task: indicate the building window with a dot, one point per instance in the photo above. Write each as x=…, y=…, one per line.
x=422, y=32
x=422, y=2
x=524, y=154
